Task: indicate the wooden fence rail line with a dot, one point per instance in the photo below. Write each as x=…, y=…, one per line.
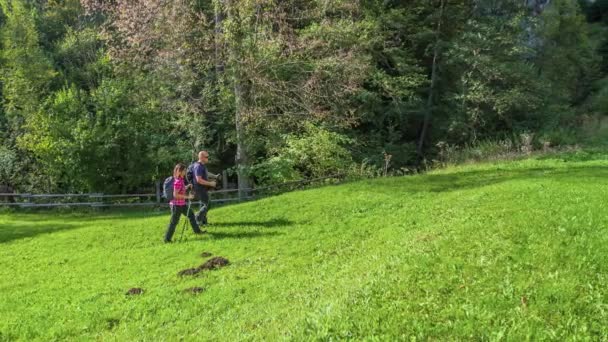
x=96, y=200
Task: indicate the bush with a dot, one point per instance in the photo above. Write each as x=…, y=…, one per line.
x=518, y=145
x=317, y=152
x=483, y=150
x=599, y=101
x=8, y=165
x=559, y=136
x=278, y=169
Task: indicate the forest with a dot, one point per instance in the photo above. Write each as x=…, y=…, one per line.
x=107, y=95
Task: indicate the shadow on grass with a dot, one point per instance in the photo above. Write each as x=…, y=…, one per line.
x=82, y=214
x=10, y=232
x=476, y=179
x=241, y=235
x=264, y=224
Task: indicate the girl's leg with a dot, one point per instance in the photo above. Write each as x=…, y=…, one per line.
x=175, y=213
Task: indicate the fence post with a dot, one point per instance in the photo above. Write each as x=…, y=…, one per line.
x=224, y=180
x=158, y=192
x=28, y=200
x=98, y=203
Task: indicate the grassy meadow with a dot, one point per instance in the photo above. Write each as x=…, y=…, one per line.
x=498, y=251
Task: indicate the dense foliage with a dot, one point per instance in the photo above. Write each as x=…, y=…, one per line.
x=108, y=95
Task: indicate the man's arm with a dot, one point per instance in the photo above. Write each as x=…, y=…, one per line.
x=203, y=182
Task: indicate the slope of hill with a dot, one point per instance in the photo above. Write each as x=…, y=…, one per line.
x=515, y=250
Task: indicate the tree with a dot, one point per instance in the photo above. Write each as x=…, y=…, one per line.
x=274, y=69
x=27, y=77
x=492, y=91
x=566, y=57
x=27, y=72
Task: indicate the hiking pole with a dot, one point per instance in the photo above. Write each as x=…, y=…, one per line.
x=185, y=221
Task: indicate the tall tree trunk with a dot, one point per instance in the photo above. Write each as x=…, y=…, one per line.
x=242, y=158
x=218, y=17
x=219, y=63
x=429, y=102
x=235, y=51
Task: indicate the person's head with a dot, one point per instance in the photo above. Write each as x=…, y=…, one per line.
x=179, y=170
x=203, y=157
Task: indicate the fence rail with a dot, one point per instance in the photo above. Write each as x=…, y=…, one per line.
x=100, y=200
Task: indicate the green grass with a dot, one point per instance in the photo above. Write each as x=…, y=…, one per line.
x=513, y=250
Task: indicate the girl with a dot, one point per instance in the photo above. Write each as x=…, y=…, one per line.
x=178, y=203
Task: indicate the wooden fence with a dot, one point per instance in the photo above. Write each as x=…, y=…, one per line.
x=99, y=200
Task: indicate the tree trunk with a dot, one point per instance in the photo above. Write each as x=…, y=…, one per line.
x=219, y=63
x=241, y=159
x=218, y=17
x=429, y=102
x=235, y=51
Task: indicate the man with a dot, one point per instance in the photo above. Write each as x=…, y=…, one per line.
x=201, y=186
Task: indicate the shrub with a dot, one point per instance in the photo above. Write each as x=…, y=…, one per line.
x=277, y=169
x=316, y=152
x=8, y=165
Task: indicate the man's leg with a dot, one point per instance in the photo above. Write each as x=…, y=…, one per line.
x=201, y=216
x=193, y=223
x=175, y=213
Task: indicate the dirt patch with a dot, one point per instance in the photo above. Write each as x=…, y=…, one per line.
x=188, y=271
x=206, y=254
x=211, y=264
x=194, y=290
x=214, y=263
x=134, y=291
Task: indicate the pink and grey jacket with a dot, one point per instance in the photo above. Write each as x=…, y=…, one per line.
x=178, y=184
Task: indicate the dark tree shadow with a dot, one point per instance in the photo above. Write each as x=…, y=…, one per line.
x=85, y=214
x=276, y=223
x=476, y=179
x=241, y=235
x=10, y=232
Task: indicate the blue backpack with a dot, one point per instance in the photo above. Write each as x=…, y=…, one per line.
x=190, y=174
x=168, y=188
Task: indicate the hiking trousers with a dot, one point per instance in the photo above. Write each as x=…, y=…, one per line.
x=176, y=212
x=203, y=198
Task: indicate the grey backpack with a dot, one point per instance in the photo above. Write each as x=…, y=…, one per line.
x=168, y=188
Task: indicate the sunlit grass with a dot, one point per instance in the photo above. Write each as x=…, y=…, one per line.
x=513, y=250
